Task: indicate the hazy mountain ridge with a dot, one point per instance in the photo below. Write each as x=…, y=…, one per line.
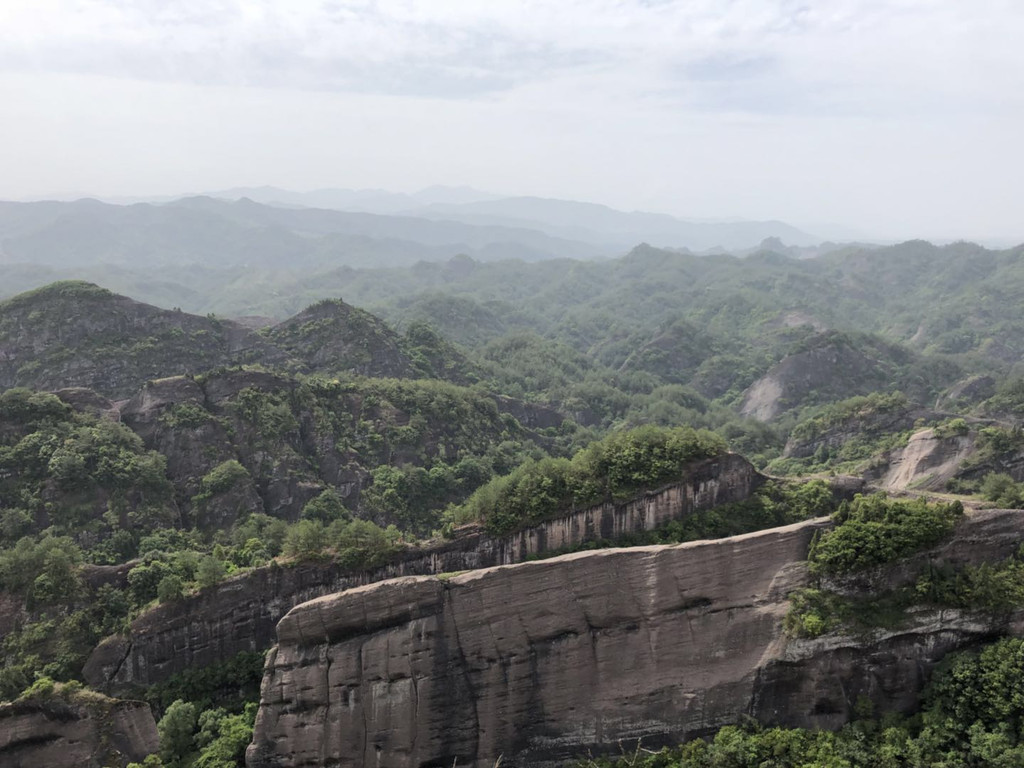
x=75, y=334
x=349, y=228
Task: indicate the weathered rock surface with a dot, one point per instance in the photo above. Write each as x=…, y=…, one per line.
x=968, y=391
x=240, y=614
x=54, y=733
x=537, y=662
x=873, y=424
x=540, y=662
x=75, y=334
x=927, y=462
x=831, y=368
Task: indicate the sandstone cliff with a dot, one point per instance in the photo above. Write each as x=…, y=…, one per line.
x=543, y=661
x=93, y=733
x=240, y=614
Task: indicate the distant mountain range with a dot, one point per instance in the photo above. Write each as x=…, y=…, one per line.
x=269, y=227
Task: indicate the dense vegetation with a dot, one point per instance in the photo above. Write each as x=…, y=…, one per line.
x=512, y=392
x=872, y=530
x=612, y=469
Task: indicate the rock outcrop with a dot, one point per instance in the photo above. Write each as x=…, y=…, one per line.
x=825, y=369
x=93, y=733
x=541, y=662
x=927, y=462
x=75, y=334
x=241, y=613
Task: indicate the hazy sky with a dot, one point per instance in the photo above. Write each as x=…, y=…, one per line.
x=900, y=118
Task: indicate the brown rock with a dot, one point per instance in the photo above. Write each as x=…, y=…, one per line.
x=241, y=614
x=538, y=662
x=88, y=733
x=543, y=662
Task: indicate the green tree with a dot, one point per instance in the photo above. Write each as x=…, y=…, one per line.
x=177, y=728
x=210, y=571
x=170, y=589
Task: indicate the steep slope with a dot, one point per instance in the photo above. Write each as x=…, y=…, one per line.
x=240, y=615
x=332, y=337
x=75, y=334
x=78, y=731
x=654, y=643
x=835, y=366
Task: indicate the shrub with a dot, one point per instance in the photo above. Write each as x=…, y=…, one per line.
x=170, y=589
x=875, y=529
x=610, y=469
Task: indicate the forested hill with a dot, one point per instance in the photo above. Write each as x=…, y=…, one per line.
x=954, y=299
x=76, y=334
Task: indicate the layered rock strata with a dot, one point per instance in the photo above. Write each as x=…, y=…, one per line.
x=542, y=662
x=536, y=662
x=90, y=734
x=241, y=614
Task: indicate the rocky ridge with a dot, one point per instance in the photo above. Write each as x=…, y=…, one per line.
x=91, y=732
x=76, y=334
x=653, y=643
x=240, y=614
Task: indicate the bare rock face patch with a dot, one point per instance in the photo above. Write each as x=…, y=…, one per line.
x=542, y=662
x=240, y=614
x=55, y=733
x=538, y=662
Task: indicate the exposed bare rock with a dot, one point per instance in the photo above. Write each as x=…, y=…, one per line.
x=88, y=733
x=541, y=662
x=538, y=662
x=870, y=423
x=241, y=613
x=74, y=334
x=818, y=683
x=86, y=401
x=968, y=391
x=333, y=336
x=927, y=462
x=830, y=367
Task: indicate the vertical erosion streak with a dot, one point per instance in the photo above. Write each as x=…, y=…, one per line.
x=463, y=661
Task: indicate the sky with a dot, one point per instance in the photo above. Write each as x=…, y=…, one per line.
x=893, y=119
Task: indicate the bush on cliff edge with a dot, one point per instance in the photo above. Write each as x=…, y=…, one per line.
x=612, y=469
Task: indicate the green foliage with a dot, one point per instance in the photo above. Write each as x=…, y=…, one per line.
x=177, y=733
x=186, y=415
x=995, y=588
x=210, y=571
x=610, y=469
x=229, y=685
x=326, y=508
x=305, y=539
x=221, y=479
x=875, y=529
x=43, y=569
x=846, y=411
x=170, y=589
x=223, y=737
x=951, y=428
x=1003, y=490
x=74, y=474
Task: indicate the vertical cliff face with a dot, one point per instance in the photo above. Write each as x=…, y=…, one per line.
x=89, y=734
x=542, y=662
x=241, y=614
x=538, y=662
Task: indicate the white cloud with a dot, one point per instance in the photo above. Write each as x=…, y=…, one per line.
x=900, y=115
